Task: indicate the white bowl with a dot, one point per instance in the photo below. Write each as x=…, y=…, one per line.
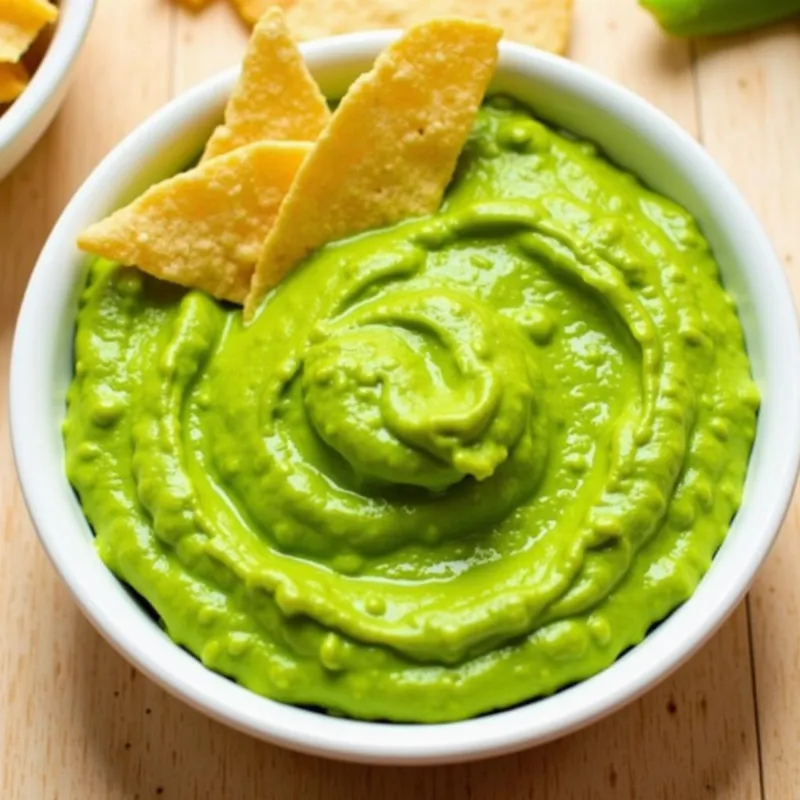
x=27, y=119
x=635, y=135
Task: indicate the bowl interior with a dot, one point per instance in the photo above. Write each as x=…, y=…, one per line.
x=631, y=133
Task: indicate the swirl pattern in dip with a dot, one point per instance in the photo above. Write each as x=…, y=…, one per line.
x=451, y=466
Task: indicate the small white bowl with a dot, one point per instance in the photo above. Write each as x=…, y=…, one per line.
x=28, y=117
x=632, y=133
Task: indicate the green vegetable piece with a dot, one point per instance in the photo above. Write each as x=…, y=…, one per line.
x=709, y=17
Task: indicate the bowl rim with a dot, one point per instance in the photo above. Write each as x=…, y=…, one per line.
x=664, y=649
x=52, y=74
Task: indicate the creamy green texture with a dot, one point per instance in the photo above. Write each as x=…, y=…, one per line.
x=451, y=466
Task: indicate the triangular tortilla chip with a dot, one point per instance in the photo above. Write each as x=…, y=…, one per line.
x=203, y=228
x=391, y=147
x=20, y=23
x=542, y=23
x=275, y=98
x=13, y=79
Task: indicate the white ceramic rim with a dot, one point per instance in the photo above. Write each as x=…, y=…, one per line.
x=35, y=403
x=50, y=79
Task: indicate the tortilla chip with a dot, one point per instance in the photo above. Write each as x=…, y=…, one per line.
x=541, y=23
x=13, y=79
x=390, y=148
x=203, y=228
x=275, y=98
x=20, y=22
x=252, y=10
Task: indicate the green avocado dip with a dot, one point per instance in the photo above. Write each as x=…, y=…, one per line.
x=451, y=466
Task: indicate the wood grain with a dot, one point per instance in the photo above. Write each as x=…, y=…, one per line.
x=750, y=120
x=77, y=722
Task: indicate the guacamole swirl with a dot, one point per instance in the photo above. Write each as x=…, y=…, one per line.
x=451, y=466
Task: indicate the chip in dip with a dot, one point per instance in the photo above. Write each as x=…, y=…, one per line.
x=204, y=228
x=452, y=464
x=390, y=148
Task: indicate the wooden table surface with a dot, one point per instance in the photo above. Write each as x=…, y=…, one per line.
x=77, y=722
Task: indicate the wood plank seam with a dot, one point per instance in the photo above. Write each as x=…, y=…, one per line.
x=751, y=653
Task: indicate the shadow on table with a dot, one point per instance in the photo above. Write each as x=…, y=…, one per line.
x=668, y=54
x=32, y=197
x=694, y=736
x=708, y=47
x=25, y=221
